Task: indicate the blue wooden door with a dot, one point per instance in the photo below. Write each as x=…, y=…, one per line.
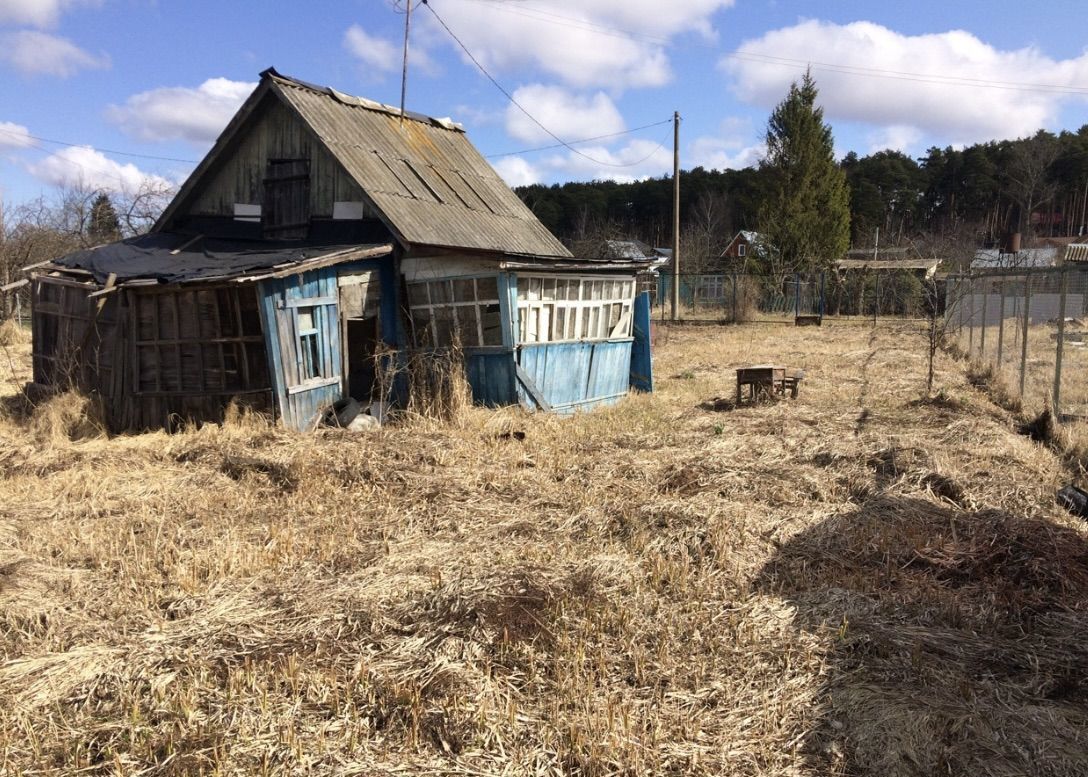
x=301, y=320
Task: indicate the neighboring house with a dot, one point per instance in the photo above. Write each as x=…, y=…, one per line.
x=745, y=246
x=321, y=235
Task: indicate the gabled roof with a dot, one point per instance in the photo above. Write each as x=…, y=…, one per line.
x=428, y=182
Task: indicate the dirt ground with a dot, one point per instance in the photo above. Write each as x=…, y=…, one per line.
x=855, y=582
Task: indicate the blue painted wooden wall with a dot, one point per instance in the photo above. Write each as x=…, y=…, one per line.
x=642, y=370
x=576, y=375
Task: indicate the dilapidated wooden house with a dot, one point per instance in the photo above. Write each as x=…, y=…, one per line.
x=319, y=230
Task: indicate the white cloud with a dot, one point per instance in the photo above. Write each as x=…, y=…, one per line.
x=38, y=52
x=83, y=165
x=634, y=161
x=371, y=50
x=896, y=137
x=179, y=112
x=517, y=171
x=38, y=13
x=958, y=113
x=570, y=116
x=732, y=148
x=591, y=44
x=14, y=135
x=383, y=57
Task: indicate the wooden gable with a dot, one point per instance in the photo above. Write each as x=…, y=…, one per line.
x=272, y=140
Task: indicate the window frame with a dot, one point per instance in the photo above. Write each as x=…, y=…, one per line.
x=453, y=310
x=587, y=316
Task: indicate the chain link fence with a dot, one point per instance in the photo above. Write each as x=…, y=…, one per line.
x=15, y=305
x=743, y=297
x=1030, y=327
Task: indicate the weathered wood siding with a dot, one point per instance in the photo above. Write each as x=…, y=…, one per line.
x=155, y=357
x=490, y=373
x=275, y=133
x=576, y=375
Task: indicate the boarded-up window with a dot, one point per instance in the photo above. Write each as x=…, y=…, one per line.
x=286, y=212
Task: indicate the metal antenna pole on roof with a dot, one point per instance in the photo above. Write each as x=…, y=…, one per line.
x=404, y=72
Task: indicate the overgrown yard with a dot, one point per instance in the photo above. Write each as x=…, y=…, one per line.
x=856, y=582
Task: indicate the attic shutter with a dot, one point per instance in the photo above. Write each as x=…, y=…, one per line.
x=286, y=211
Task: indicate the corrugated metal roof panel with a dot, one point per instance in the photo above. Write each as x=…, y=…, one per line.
x=427, y=178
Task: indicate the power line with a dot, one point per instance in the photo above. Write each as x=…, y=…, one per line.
x=583, y=140
x=900, y=75
x=95, y=148
x=521, y=107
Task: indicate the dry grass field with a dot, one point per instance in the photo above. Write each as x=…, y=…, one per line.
x=857, y=582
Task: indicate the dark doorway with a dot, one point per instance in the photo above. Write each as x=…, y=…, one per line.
x=360, y=307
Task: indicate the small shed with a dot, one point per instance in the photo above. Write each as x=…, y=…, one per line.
x=321, y=233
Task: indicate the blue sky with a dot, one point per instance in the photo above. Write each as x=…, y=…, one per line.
x=162, y=78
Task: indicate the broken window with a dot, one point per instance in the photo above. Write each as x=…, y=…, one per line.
x=457, y=311
x=552, y=309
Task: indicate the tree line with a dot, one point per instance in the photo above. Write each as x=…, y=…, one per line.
x=946, y=203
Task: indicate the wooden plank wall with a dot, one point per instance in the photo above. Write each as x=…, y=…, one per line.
x=577, y=375
x=276, y=133
x=158, y=358
x=490, y=373
x=190, y=352
x=74, y=338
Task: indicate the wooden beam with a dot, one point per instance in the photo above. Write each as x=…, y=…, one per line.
x=526, y=380
x=185, y=245
x=15, y=285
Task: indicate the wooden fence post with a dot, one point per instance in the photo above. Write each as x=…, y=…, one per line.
x=1024, y=332
x=1059, y=348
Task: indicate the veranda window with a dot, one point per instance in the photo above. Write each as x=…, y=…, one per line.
x=462, y=311
x=552, y=309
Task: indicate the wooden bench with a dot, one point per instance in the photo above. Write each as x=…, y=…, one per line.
x=765, y=382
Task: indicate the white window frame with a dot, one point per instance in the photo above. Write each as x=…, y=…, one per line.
x=607, y=313
x=741, y=248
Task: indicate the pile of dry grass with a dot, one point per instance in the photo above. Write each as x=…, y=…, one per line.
x=850, y=583
x=12, y=333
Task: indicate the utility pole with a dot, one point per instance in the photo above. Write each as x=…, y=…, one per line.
x=675, y=215
x=404, y=71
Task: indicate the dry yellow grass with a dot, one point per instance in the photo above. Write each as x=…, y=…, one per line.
x=856, y=582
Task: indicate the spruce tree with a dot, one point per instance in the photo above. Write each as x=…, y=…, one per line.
x=806, y=211
x=104, y=225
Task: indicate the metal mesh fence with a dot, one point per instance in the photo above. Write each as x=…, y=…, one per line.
x=15, y=304
x=1031, y=328
x=740, y=297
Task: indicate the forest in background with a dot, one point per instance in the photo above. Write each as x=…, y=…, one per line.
x=946, y=203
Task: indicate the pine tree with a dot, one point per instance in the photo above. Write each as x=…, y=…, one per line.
x=104, y=225
x=806, y=211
